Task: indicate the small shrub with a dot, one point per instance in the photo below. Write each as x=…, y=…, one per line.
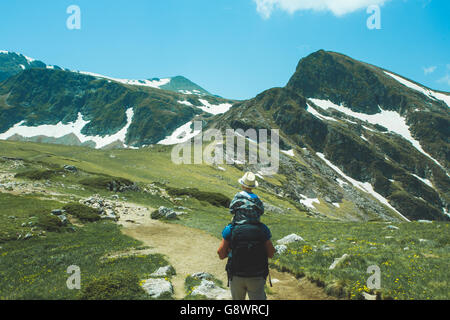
x=109, y=183
x=214, y=198
x=49, y=222
x=113, y=286
x=38, y=174
x=82, y=212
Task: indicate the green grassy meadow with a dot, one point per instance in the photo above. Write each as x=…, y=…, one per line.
x=413, y=257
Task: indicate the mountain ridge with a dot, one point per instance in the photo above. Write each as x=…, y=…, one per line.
x=12, y=63
x=396, y=153
x=352, y=134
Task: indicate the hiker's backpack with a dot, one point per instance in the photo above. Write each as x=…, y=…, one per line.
x=248, y=251
x=246, y=208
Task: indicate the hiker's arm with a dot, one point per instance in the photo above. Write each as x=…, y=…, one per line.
x=270, y=249
x=223, y=249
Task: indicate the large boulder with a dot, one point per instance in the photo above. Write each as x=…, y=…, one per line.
x=156, y=287
x=290, y=239
x=165, y=213
x=164, y=271
x=211, y=291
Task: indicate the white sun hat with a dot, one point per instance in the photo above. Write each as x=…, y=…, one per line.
x=248, y=180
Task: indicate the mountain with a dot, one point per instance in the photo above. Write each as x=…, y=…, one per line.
x=358, y=142
x=12, y=63
x=56, y=103
x=183, y=85
x=353, y=133
x=177, y=84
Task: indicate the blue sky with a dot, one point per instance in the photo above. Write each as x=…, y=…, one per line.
x=228, y=46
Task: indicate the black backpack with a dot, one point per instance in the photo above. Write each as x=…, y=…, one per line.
x=248, y=252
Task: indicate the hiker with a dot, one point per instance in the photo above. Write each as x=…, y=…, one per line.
x=246, y=242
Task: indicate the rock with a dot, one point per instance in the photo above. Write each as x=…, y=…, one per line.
x=281, y=248
x=28, y=236
x=424, y=221
x=171, y=215
x=368, y=296
x=202, y=275
x=392, y=227
x=155, y=287
x=164, y=212
x=338, y=261
x=57, y=212
x=163, y=271
x=108, y=215
x=70, y=168
x=63, y=219
x=156, y=215
x=271, y=208
x=211, y=291
x=290, y=239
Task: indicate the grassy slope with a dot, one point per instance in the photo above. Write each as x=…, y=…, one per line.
x=36, y=269
x=410, y=268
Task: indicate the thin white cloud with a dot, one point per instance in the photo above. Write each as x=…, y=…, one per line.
x=337, y=7
x=445, y=79
x=429, y=70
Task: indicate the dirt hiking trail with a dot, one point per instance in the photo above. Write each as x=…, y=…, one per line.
x=191, y=250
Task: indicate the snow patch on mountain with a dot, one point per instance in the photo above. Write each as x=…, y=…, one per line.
x=429, y=93
x=29, y=60
x=146, y=83
x=214, y=108
x=386, y=118
x=180, y=135
x=308, y=202
x=426, y=181
x=363, y=186
x=289, y=152
x=187, y=103
x=59, y=130
x=317, y=114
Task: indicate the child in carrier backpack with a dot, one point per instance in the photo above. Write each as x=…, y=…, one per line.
x=246, y=207
x=248, y=271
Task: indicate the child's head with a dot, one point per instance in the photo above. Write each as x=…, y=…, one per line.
x=248, y=181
